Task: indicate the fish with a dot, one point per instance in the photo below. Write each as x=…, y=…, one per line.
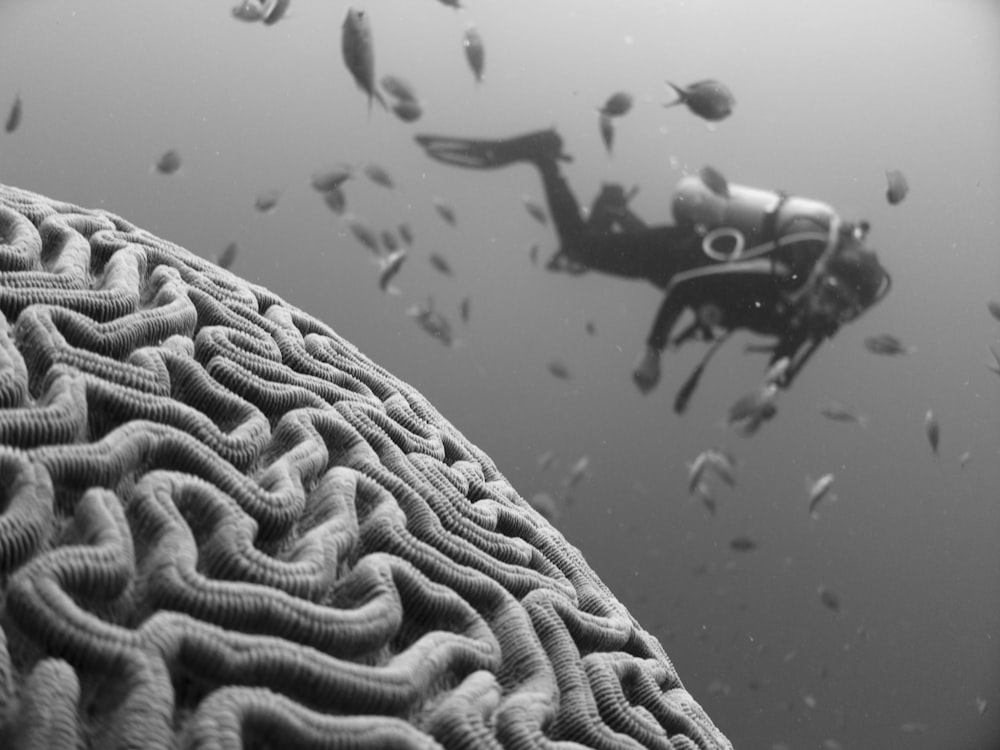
x=432, y=322
x=227, y=256
x=546, y=505
x=545, y=460
x=169, y=163
x=709, y=99
x=715, y=181
x=399, y=88
x=14, y=116
x=363, y=233
x=696, y=470
x=896, y=186
x=819, y=490
x=440, y=264
x=444, y=210
x=964, y=459
x=451, y=3
x=994, y=307
x=558, y=369
x=390, y=267
x=981, y=705
x=266, y=201
x=577, y=472
x=536, y=211
x=752, y=410
x=463, y=309
x=742, y=544
x=837, y=412
x=533, y=254
x=379, y=175
x=995, y=364
x=475, y=52
x=274, y=11
x=406, y=234
x=722, y=464
x=408, y=110
x=607, y=128
x=933, y=430
x=331, y=179
x=389, y=241
x=249, y=10
x=335, y=200
x=618, y=104
x=776, y=373
x=591, y=328
x=828, y=599
x=359, y=53
x=888, y=345
x=703, y=493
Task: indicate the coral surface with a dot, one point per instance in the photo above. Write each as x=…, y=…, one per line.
x=221, y=525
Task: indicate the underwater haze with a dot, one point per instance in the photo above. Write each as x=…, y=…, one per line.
x=874, y=625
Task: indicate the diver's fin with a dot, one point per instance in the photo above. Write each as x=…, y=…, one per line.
x=542, y=145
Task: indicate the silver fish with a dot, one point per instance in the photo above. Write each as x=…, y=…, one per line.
x=964, y=459
x=335, y=200
x=249, y=10
x=751, y=411
x=742, y=544
x=408, y=110
x=379, y=175
x=933, y=430
x=389, y=241
x=398, y=87
x=227, y=256
x=406, y=233
x=359, y=53
x=696, y=469
x=440, y=264
x=390, y=267
x=591, y=328
x=537, y=212
x=169, y=163
x=710, y=100
x=266, y=201
x=775, y=373
x=432, y=322
x=331, y=179
x=451, y=3
x=607, y=128
x=577, y=472
x=896, y=186
x=545, y=460
x=444, y=210
x=14, y=117
x=818, y=490
x=828, y=599
x=837, y=412
x=475, y=52
x=887, y=345
x=994, y=307
x=995, y=364
x=533, y=254
x=363, y=233
x=546, y=505
x=558, y=369
x=464, y=309
x=274, y=11
x=714, y=181
x=617, y=104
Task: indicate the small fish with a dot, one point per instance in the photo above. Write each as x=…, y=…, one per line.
x=533, y=254
x=617, y=104
x=359, y=53
x=389, y=241
x=828, y=599
x=248, y=10
x=331, y=179
x=696, y=470
x=398, y=88
x=274, y=11
x=710, y=100
x=703, y=493
x=722, y=464
x=591, y=328
x=432, y=322
x=558, y=369
x=964, y=459
x=933, y=430
x=546, y=505
x=818, y=490
x=444, y=210
x=463, y=309
x=390, y=267
x=751, y=411
x=981, y=705
x=227, y=257
x=607, y=128
x=440, y=264
x=837, y=412
x=406, y=234
x=379, y=176
x=577, y=472
x=913, y=727
x=545, y=460
x=776, y=373
x=896, y=186
x=14, y=117
x=995, y=364
x=408, y=110
x=994, y=307
x=475, y=52
x=742, y=544
x=715, y=181
x=266, y=201
x=363, y=233
x=537, y=212
x=451, y=3
x=169, y=163
x=887, y=345
x=335, y=200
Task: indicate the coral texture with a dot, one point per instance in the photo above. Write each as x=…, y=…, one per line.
x=222, y=526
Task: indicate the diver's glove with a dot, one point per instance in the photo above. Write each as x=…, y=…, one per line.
x=647, y=370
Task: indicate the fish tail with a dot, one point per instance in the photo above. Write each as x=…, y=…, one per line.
x=681, y=95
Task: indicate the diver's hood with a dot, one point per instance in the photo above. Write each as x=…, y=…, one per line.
x=758, y=214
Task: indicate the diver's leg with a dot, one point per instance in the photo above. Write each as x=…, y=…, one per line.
x=563, y=208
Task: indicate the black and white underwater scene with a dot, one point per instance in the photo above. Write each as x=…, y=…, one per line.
x=714, y=283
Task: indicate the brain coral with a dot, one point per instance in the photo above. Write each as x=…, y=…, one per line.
x=222, y=526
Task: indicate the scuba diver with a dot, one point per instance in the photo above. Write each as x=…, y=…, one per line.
x=737, y=257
